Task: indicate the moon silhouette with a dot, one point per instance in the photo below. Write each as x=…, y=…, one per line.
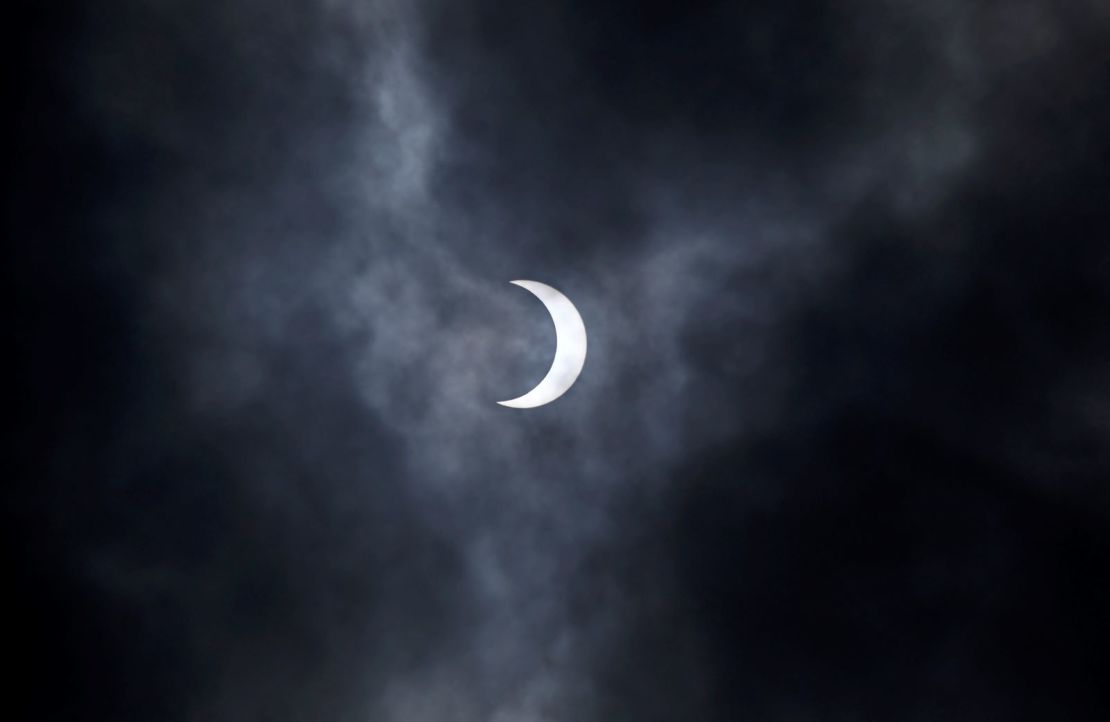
x=570, y=348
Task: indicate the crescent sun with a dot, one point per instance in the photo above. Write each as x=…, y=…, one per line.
x=570, y=348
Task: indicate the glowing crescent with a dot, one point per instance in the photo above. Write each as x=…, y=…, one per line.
x=570, y=348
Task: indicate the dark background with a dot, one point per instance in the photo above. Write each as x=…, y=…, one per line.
x=839, y=451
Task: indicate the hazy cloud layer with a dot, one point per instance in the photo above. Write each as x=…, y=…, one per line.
x=838, y=451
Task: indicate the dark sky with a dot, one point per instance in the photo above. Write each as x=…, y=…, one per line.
x=840, y=450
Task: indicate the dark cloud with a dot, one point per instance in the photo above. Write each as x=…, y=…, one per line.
x=922, y=531
x=839, y=451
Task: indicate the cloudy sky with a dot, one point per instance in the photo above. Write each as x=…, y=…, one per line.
x=841, y=446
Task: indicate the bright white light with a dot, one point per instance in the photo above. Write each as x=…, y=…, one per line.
x=570, y=348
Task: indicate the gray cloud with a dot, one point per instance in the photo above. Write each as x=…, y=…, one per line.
x=806, y=241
